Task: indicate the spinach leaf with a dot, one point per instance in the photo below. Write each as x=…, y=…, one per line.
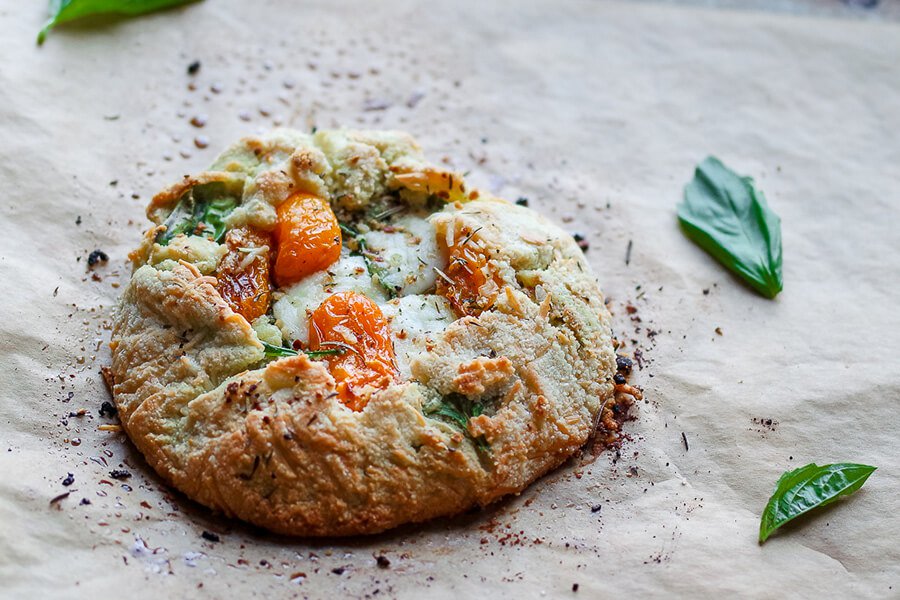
x=200, y=211
x=727, y=216
x=272, y=351
x=809, y=487
x=456, y=410
x=63, y=11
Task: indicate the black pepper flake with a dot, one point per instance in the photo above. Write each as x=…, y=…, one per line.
x=210, y=536
x=619, y=379
x=96, y=257
x=108, y=409
x=383, y=561
x=84, y=502
x=596, y=508
x=193, y=68
x=78, y=220
x=119, y=474
x=69, y=480
x=574, y=587
x=338, y=570
x=623, y=364
x=522, y=201
x=57, y=499
x=684, y=439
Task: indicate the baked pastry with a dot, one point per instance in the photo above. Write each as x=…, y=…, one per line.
x=325, y=335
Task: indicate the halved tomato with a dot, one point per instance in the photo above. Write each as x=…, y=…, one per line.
x=308, y=237
x=353, y=324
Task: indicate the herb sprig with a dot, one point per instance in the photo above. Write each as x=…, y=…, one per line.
x=273, y=351
x=727, y=216
x=802, y=490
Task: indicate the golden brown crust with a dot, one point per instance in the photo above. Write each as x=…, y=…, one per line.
x=270, y=443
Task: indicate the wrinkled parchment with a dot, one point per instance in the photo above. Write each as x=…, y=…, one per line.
x=597, y=112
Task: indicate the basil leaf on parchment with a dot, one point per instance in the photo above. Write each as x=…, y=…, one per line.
x=801, y=490
x=727, y=216
x=63, y=11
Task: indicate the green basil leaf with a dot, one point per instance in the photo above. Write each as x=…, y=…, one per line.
x=727, y=216
x=456, y=410
x=200, y=211
x=801, y=490
x=272, y=351
x=63, y=11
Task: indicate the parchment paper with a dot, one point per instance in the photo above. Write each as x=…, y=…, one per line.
x=597, y=112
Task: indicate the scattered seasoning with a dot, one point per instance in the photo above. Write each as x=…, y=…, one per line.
x=628, y=252
x=78, y=220
x=69, y=480
x=719, y=330
x=574, y=587
x=383, y=561
x=414, y=99
x=84, y=502
x=522, y=201
x=201, y=141
x=108, y=409
x=619, y=379
x=372, y=104
x=119, y=474
x=199, y=120
x=338, y=570
x=57, y=499
x=596, y=508
x=96, y=257
x=684, y=439
x=706, y=291
x=623, y=364
x=210, y=536
x=582, y=242
x=193, y=68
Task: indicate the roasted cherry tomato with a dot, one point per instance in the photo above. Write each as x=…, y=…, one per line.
x=465, y=274
x=243, y=273
x=308, y=237
x=351, y=323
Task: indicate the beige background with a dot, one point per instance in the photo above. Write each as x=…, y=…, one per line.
x=598, y=113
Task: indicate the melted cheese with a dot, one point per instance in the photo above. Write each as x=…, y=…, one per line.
x=416, y=321
x=407, y=255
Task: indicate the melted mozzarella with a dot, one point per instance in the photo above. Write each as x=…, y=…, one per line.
x=407, y=255
x=415, y=322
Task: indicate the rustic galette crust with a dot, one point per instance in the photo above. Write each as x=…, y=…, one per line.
x=270, y=443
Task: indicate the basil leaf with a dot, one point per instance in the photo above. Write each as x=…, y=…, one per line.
x=456, y=410
x=63, y=11
x=272, y=351
x=200, y=211
x=727, y=216
x=801, y=490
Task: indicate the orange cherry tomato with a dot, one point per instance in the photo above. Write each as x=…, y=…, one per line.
x=466, y=273
x=243, y=273
x=351, y=322
x=308, y=237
